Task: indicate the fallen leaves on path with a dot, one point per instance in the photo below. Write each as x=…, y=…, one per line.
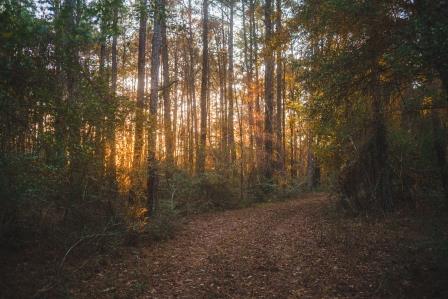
x=292, y=249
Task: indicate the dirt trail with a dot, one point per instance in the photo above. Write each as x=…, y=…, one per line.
x=237, y=253
x=291, y=249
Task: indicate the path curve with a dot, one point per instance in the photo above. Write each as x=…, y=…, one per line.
x=290, y=249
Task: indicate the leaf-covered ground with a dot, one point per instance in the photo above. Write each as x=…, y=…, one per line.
x=300, y=248
x=292, y=249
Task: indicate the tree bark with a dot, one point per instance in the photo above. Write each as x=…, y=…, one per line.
x=99, y=128
x=380, y=169
x=279, y=95
x=111, y=165
x=268, y=94
x=224, y=110
x=248, y=63
x=152, y=181
x=59, y=123
x=256, y=87
x=70, y=70
x=230, y=127
x=204, y=90
x=193, y=144
x=175, y=105
x=139, y=115
x=166, y=94
x=440, y=145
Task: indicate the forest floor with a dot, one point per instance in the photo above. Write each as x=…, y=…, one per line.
x=293, y=249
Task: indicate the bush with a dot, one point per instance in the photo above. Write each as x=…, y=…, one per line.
x=210, y=191
x=216, y=191
x=26, y=187
x=262, y=190
x=162, y=226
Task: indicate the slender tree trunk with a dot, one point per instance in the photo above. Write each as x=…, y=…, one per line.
x=99, y=128
x=268, y=93
x=279, y=97
x=258, y=115
x=175, y=108
x=190, y=123
x=111, y=165
x=222, y=88
x=240, y=126
x=284, y=120
x=152, y=181
x=59, y=124
x=204, y=90
x=70, y=68
x=248, y=63
x=166, y=95
x=230, y=135
x=193, y=136
x=224, y=118
x=292, y=142
x=440, y=145
x=380, y=169
x=310, y=162
x=139, y=115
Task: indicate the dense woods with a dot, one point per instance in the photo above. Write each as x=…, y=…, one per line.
x=120, y=113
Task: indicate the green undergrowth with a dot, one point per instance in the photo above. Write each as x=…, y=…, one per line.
x=182, y=195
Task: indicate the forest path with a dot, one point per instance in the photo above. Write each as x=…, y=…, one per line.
x=291, y=249
x=248, y=252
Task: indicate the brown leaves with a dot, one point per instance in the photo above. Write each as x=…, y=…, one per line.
x=282, y=250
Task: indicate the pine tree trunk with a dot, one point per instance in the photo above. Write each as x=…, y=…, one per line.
x=111, y=165
x=166, y=94
x=59, y=123
x=224, y=110
x=268, y=93
x=175, y=106
x=279, y=96
x=380, y=170
x=222, y=88
x=139, y=115
x=292, y=141
x=99, y=128
x=230, y=135
x=440, y=145
x=193, y=128
x=152, y=181
x=248, y=63
x=258, y=115
x=70, y=69
x=204, y=91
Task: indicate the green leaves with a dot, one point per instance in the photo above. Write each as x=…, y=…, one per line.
x=367, y=61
